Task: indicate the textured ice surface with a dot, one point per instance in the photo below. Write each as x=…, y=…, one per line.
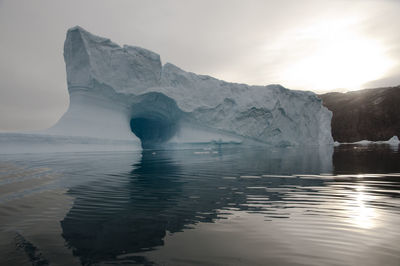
x=119, y=92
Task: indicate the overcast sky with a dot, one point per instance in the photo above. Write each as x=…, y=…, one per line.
x=312, y=45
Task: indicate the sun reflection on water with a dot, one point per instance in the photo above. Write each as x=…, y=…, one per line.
x=360, y=213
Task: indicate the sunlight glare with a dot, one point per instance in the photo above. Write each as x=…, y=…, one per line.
x=342, y=58
x=362, y=215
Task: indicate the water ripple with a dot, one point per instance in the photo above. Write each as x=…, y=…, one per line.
x=288, y=207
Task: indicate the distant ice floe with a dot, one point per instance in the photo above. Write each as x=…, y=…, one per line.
x=394, y=141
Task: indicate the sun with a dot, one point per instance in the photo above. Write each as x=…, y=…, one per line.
x=341, y=58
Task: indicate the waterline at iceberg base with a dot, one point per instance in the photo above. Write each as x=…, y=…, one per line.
x=125, y=93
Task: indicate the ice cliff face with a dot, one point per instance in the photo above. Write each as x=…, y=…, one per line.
x=122, y=92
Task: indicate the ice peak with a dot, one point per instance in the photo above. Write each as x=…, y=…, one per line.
x=90, y=58
x=89, y=37
x=76, y=28
x=168, y=67
x=142, y=51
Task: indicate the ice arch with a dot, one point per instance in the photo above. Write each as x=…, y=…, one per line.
x=155, y=119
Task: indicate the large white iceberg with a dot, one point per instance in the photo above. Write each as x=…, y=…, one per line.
x=126, y=93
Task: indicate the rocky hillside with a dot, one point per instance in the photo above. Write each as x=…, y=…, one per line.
x=372, y=114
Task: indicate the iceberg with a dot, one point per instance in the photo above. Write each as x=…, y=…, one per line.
x=393, y=141
x=126, y=93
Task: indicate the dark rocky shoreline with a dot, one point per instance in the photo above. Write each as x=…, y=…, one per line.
x=370, y=114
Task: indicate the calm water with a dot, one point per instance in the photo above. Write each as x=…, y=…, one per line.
x=202, y=206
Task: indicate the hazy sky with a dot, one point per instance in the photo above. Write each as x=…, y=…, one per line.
x=313, y=45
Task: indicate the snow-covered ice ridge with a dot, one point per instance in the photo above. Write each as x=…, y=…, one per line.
x=115, y=91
